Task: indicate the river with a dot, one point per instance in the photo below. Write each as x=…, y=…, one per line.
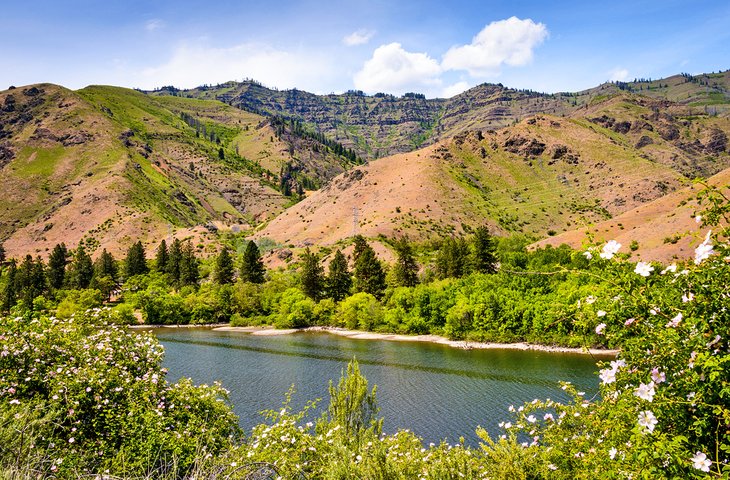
x=436, y=391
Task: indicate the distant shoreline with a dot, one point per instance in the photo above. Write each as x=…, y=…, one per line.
x=462, y=344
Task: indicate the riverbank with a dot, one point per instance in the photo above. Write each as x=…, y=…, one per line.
x=462, y=344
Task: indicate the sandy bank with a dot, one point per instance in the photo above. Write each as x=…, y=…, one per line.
x=467, y=345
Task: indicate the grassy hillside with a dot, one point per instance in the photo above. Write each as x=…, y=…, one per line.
x=540, y=177
x=663, y=230
x=105, y=165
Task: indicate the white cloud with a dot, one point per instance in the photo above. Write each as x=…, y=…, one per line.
x=619, y=74
x=154, y=24
x=510, y=42
x=360, y=37
x=191, y=66
x=455, y=89
x=394, y=70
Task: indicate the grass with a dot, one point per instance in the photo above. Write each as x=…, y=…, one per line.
x=44, y=161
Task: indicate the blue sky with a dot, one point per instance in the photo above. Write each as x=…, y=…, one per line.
x=435, y=47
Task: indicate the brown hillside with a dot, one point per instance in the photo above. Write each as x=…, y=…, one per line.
x=664, y=229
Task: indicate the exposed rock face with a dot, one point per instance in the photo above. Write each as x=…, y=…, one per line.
x=717, y=142
x=644, y=141
x=525, y=147
x=6, y=154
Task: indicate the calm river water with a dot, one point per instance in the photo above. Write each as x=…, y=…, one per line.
x=436, y=391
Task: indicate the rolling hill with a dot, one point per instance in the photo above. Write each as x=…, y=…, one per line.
x=107, y=165
x=380, y=125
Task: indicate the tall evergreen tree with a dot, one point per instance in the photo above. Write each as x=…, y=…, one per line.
x=136, y=262
x=189, y=272
x=485, y=251
x=339, y=280
x=161, y=257
x=360, y=244
x=2, y=254
x=252, y=267
x=106, y=265
x=57, y=266
x=453, y=259
x=81, y=270
x=312, y=275
x=174, y=261
x=30, y=280
x=406, y=268
x=10, y=293
x=369, y=273
x=105, y=273
x=223, y=273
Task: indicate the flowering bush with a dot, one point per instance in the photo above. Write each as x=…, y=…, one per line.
x=96, y=398
x=664, y=407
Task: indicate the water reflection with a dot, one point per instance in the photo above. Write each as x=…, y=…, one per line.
x=436, y=391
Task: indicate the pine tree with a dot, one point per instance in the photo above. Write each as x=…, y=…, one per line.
x=189, y=273
x=136, y=262
x=406, y=268
x=174, y=261
x=105, y=273
x=223, y=273
x=252, y=267
x=81, y=270
x=369, y=273
x=161, y=257
x=485, y=257
x=360, y=244
x=9, y=297
x=2, y=254
x=312, y=275
x=106, y=265
x=339, y=281
x=57, y=266
x=30, y=280
x=453, y=258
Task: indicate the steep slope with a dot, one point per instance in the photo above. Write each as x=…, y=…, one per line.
x=381, y=125
x=663, y=230
x=542, y=176
x=108, y=165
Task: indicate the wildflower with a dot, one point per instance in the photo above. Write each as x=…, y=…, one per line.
x=629, y=322
x=658, y=376
x=588, y=255
x=612, y=453
x=645, y=391
x=674, y=323
x=531, y=419
x=647, y=421
x=698, y=219
x=701, y=462
x=607, y=375
x=610, y=249
x=704, y=250
x=688, y=297
x=616, y=364
x=590, y=299
x=671, y=268
x=644, y=269
x=600, y=328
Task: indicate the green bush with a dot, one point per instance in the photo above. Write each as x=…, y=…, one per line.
x=92, y=397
